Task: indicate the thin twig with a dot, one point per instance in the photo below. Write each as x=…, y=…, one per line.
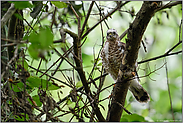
x=13, y=58
x=166, y=68
x=39, y=65
x=169, y=5
x=52, y=77
x=64, y=55
x=161, y=56
x=151, y=72
x=144, y=46
x=109, y=14
x=123, y=35
x=124, y=108
x=86, y=19
x=101, y=14
x=173, y=47
x=59, y=102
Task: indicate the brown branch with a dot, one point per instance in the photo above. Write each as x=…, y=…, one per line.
x=78, y=18
x=166, y=68
x=62, y=57
x=79, y=89
x=173, y=47
x=101, y=14
x=169, y=5
x=134, y=38
x=144, y=46
x=123, y=35
x=124, y=108
x=161, y=56
x=86, y=19
x=108, y=15
x=51, y=77
x=79, y=69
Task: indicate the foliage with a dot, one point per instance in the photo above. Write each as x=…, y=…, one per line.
x=42, y=82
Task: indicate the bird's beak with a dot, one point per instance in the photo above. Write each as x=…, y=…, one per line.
x=110, y=34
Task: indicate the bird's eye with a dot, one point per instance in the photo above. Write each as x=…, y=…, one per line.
x=113, y=33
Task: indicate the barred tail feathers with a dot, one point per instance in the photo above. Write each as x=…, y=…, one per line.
x=138, y=91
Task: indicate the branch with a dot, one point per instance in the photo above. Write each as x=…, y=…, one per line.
x=87, y=16
x=8, y=15
x=123, y=35
x=166, y=68
x=134, y=35
x=78, y=18
x=79, y=69
x=109, y=14
x=79, y=89
x=51, y=77
x=161, y=56
x=169, y=5
x=164, y=55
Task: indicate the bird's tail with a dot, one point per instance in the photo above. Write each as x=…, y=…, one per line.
x=138, y=91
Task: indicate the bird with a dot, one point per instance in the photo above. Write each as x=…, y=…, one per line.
x=111, y=55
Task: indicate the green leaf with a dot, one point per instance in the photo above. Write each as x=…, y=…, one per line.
x=132, y=118
x=18, y=16
x=45, y=37
x=22, y=4
x=20, y=63
x=59, y=4
x=21, y=118
x=53, y=87
x=37, y=100
x=33, y=52
x=33, y=38
x=17, y=87
x=36, y=82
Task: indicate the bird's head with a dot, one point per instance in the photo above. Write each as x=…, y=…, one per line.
x=112, y=35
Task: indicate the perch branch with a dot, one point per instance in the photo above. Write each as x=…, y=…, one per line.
x=134, y=38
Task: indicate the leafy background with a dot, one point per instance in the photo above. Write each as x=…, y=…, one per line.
x=161, y=34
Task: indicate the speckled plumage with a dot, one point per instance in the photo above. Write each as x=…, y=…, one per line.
x=111, y=55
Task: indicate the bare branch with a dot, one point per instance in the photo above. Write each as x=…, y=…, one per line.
x=169, y=5
x=173, y=47
x=123, y=35
x=161, y=56
x=124, y=108
x=79, y=89
x=51, y=76
x=109, y=14
x=79, y=69
x=169, y=90
x=8, y=15
x=86, y=19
